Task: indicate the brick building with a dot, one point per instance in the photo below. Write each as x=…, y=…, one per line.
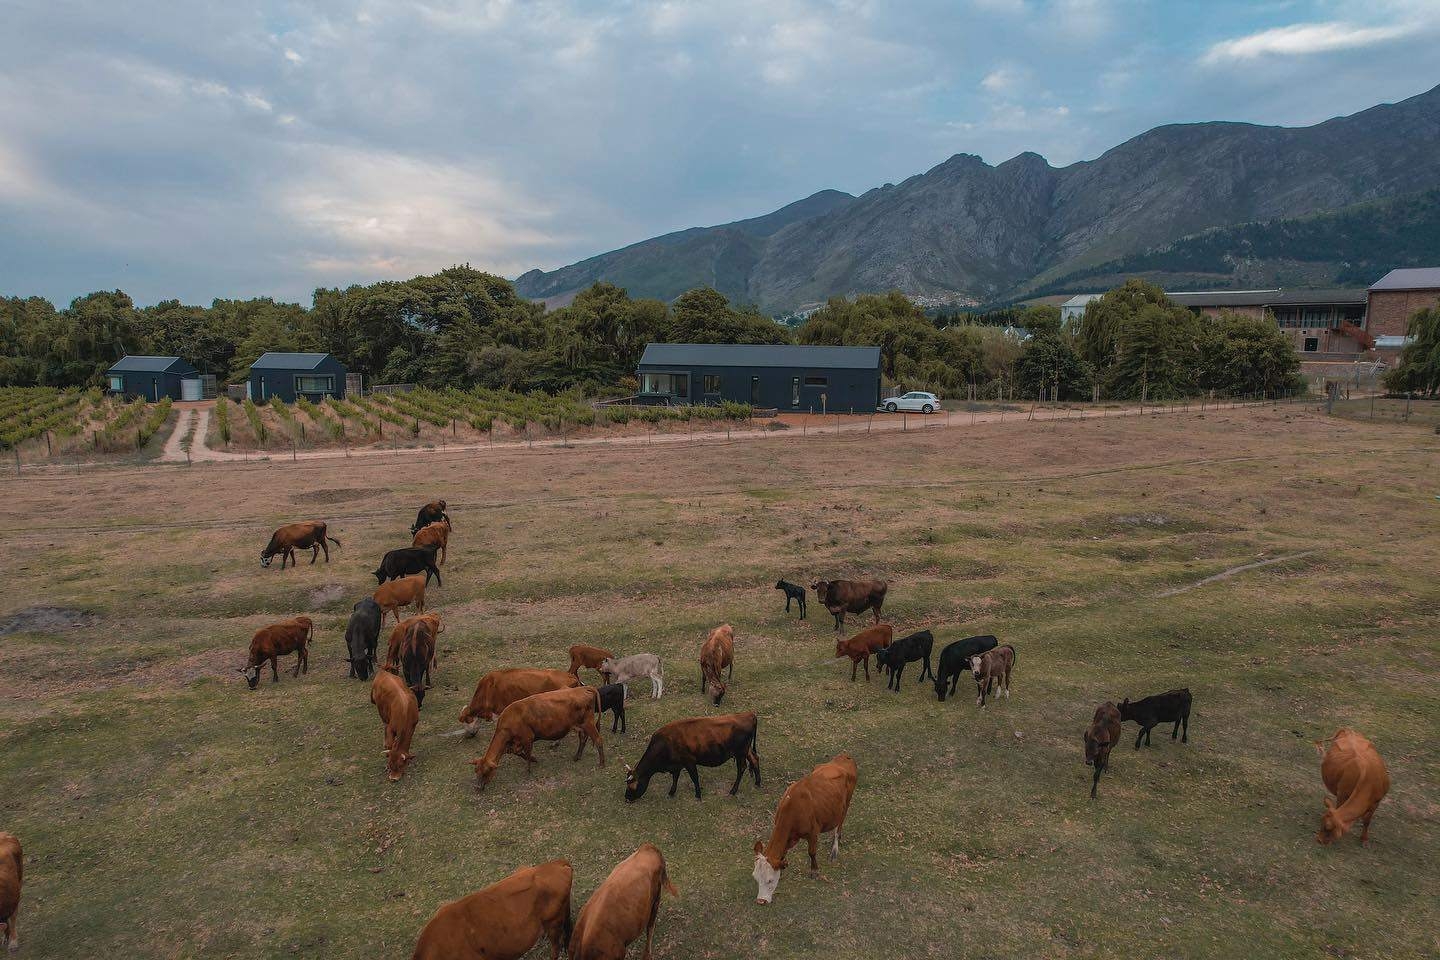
x=1394, y=298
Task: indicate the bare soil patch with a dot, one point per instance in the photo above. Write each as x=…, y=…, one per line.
x=46, y=620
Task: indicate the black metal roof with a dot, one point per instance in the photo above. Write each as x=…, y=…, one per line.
x=289, y=361
x=759, y=355
x=1410, y=278
x=139, y=364
x=1266, y=298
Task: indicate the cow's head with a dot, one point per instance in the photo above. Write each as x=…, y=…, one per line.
x=941, y=686
x=606, y=669
x=395, y=761
x=1097, y=744
x=716, y=690
x=766, y=874
x=975, y=662
x=380, y=575
x=362, y=667
x=252, y=675
x=634, y=789
x=1331, y=829
x=821, y=588
x=484, y=771
x=1124, y=708
x=265, y=556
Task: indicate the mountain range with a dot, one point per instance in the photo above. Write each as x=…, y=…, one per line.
x=968, y=233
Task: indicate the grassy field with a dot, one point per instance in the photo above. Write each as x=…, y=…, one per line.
x=168, y=812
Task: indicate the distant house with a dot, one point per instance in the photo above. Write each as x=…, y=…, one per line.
x=787, y=377
x=1397, y=295
x=1073, y=309
x=289, y=376
x=149, y=378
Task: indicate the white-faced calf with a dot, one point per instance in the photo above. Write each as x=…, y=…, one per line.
x=992, y=669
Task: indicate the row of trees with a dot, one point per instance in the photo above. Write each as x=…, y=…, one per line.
x=465, y=327
x=1419, y=368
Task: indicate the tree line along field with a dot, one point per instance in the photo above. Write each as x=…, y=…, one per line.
x=169, y=812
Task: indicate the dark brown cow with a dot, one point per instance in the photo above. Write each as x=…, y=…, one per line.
x=859, y=647
x=716, y=654
x=815, y=804
x=1100, y=738
x=12, y=876
x=432, y=512
x=623, y=907
x=693, y=743
x=434, y=535
x=584, y=655
x=297, y=536
x=276, y=641
x=412, y=651
x=399, y=712
x=500, y=688
x=504, y=920
x=399, y=593
x=544, y=716
x=1354, y=773
x=850, y=596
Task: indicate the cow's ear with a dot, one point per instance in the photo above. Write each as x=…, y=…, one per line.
x=759, y=847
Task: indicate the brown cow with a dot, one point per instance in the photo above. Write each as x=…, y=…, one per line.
x=717, y=653
x=992, y=668
x=12, y=876
x=500, y=688
x=504, y=920
x=435, y=535
x=432, y=512
x=286, y=540
x=623, y=907
x=412, y=651
x=1100, y=738
x=394, y=594
x=811, y=806
x=859, y=647
x=1355, y=774
x=399, y=712
x=850, y=596
x=276, y=641
x=583, y=655
x=693, y=743
x=543, y=716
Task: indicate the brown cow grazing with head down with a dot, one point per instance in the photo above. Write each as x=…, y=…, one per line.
x=850, y=596
x=1354, y=773
x=623, y=907
x=500, y=688
x=693, y=743
x=859, y=647
x=276, y=641
x=393, y=595
x=504, y=920
x=584, y=655
x=434, y=535
x=399, y=712
x=297, y=536
x=412, y=651
x=716, y=654
x=544, y=716
x=811, y=806
x=1100, y=738
x=12, y=876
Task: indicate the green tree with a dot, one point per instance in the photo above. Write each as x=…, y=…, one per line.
x=1419, y=366
x=1240, y=354
x=704, y=315
x=1049, y=362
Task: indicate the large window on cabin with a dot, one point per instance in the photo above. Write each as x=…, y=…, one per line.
x=817, y=381
x=313, y=384
x=675, y=384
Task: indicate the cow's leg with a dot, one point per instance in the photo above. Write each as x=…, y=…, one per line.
x=866, y=664
x=326, y=547
x=694, y=778
x=954, y=683
x=1185, y=737
x=853, y=665
x=787, y=603
x=731, y=674
x=835, y=844
x=876, y=610
x=1365, y=833
x=274, y=669
x=1095, y=782
x=753, y=759
x=1148, y=731
x=314, y=553
x=802, y=608
x=739, y=773
x=674, y=780
x=1139, y=737
x=12, y=933
x=813, y=839
x=657, y=686
x=924, y=670
x=839, y=621
x=580, y=735
x=593, y=732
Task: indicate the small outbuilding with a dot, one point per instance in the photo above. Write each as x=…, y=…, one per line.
x=290, y=376
x=149, y=378
x=786, y=376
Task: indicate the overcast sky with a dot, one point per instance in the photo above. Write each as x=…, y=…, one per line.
x=235, y=149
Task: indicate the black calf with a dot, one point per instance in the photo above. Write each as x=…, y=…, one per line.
x=1172, y=706
x=917, y=646
x=955, y=661
x=408, y=560
x=793, y=591
x=612, y=698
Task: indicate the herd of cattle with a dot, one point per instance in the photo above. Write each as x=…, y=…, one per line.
x=507, y=918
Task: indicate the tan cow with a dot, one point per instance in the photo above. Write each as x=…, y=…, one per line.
x=504, y=920
x=12, y=876
x=815, y=804
x=1354, y=773
x=298, y=536
x=500, y=688
x=716, y=654
x=859, y=647
x=436, y=535
x=399, y=712
x=544, y=716
x=401, y=592
x=623, y=907
x=583, y=655
x=276, y=641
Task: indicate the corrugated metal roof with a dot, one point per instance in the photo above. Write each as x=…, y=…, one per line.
x=1080, y=300
x=289, y=361
x=139, y=364
x=759, y=355
x=1264, y=298
x=1410, y=278
x=1390, y=342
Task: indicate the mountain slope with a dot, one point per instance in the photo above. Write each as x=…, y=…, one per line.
x=965, y=231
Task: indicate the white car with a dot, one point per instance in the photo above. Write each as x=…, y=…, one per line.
x=916, y=401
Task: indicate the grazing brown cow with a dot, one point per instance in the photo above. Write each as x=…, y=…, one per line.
x=1355, y=774
x=393, y=595
x=432, y=512
x=399, y=712
x=286, y=540
x=412, y=651
x=12, y=876
x=500, y=688
x=716, y=654
x=583, y=655
x=813, y=805
x=623, y=907
x=859, y=647
x=850, y=596
x=693, y=743
x=992, y=668
x=276, y=641
x=504, y=920
x=544, y=716
x=1100, y=738
x=435, y=535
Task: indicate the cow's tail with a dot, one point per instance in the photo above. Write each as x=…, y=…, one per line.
x=568, y=930
x=1013, y=655
x=665, y=882
x=596, y=692
x=755, y=739
x=332, y=539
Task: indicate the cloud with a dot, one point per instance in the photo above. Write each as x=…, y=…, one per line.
x=1303, y=39
x=1001, y=80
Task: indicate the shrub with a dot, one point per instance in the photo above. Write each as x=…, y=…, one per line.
x=252, y=413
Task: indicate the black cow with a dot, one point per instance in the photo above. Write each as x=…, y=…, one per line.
x=917, y=646
x=696, y=742
x=432, y=512
x=407, y=560
x=1172, y=706
x=612, y=698
x=361, y=635
x=793, y=591
x=955, y=660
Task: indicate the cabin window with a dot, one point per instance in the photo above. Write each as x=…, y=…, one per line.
x=675, y=384
x=817, y=381
x=314, y=384
x=712, y=383
x=117, y=384
x=1312, y=344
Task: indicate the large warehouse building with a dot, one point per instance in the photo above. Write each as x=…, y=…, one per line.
x=786, y=377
